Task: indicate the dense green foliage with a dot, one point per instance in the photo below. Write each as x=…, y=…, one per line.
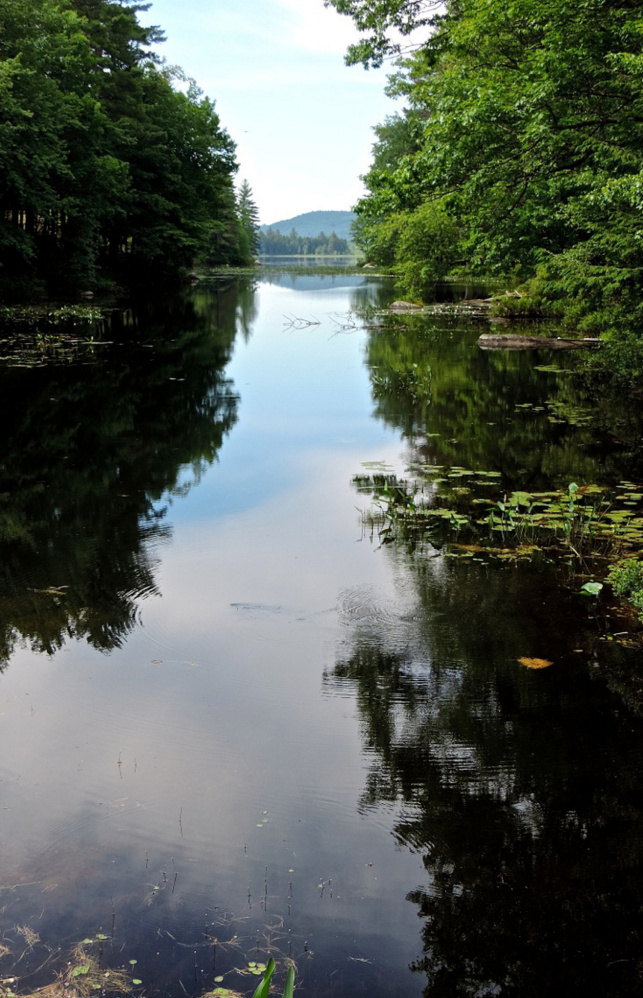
x=109, y=161
x=275, y=243
x=519, y=151
x=627, y=580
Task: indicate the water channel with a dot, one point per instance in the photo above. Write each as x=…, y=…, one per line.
x=235, y=724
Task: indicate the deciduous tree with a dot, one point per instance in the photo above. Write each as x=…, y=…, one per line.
x=528, y=134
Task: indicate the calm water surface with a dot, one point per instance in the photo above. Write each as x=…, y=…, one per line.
x=234, y=725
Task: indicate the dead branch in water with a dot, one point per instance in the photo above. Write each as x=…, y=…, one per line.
x=513, y=341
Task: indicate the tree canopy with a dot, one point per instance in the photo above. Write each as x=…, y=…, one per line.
x=519, y=150
x=109, y=160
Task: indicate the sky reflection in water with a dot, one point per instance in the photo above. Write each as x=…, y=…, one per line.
x=300, y=740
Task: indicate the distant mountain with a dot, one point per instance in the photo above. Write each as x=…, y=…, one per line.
x=311, y=223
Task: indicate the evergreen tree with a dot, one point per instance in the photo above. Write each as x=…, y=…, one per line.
x=248, y=216
x=272, y=242
x=105, y=165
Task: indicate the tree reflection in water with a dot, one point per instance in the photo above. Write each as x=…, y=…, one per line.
x=91, y=455
x=521, y=790
x=497, y=410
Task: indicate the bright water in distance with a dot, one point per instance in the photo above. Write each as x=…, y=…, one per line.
x=235, y=726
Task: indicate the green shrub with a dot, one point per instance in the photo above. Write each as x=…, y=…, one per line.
x=426, y=249
x=627, y=580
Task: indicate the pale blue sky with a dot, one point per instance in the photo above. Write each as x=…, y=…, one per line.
x=301, y=118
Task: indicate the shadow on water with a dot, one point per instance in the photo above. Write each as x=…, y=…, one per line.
x=92, y=455
x=520, y=790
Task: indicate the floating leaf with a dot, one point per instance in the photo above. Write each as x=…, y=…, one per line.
x=535, y=663
x=591, y=588
x=217, y=980
x=520, y=498
x=137, y=980
x=79, y=971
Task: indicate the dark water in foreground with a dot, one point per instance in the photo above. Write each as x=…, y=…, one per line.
x=229, y=716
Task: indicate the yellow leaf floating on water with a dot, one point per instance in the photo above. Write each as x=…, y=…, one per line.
x=535, y=663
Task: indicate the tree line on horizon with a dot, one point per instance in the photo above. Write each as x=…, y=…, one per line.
x=518, y=153
x=112, y=164
x=272, y=242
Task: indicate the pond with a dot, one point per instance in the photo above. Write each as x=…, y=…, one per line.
x=236, y=724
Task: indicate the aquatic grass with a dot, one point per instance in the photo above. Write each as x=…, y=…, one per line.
x=586, y=521
x=263, y=988
x=48, y=314
x=83, y=976
x=48, y=333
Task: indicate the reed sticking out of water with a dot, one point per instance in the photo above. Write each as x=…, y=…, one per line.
x=263, y=988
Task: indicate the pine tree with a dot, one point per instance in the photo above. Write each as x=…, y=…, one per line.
x=109, y=166
x=248, y=215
